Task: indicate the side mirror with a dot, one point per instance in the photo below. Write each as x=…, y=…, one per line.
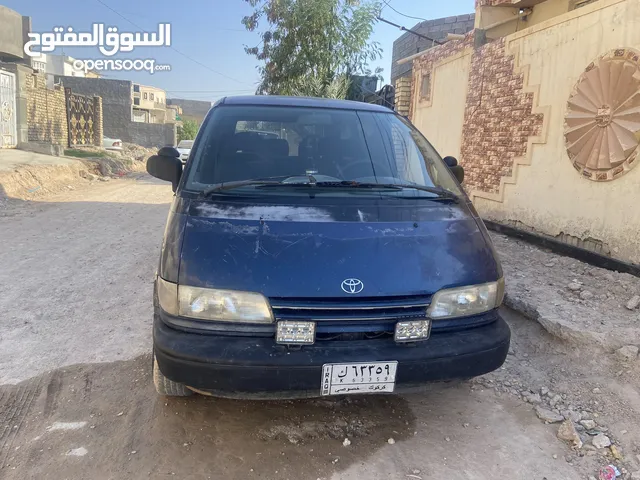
x=166, y=165
x=450, y=161
x=458, y=172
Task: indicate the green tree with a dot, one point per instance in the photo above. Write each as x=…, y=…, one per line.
x=188, y=130
x=307, y=44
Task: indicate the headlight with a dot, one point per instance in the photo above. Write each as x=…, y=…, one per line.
x=465, y=301
x=213, y=304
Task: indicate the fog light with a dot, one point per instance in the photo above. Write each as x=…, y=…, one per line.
x=413, y=330
x=296, y=332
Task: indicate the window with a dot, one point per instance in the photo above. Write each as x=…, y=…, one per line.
x=136, y=101
x=151, y=95
x=145, y=95
x=425, y=86
x=255, y=142
x=136, y=88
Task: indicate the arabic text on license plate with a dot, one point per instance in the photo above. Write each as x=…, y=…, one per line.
x=372, y=377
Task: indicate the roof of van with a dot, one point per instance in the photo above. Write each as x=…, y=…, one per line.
x=282, y=101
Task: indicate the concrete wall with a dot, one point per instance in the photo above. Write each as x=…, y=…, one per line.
x=12, y=34
x=191, y=109
x=116, y=101
x=443, y=108
x=409, y=44
x=153, y=135
x=513, y=146
x=549, y=195
x=117, y=111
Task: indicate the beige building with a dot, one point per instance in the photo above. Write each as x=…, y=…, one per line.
x=541, y=104
x=150, y=105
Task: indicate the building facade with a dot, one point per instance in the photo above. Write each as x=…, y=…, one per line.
x=150, y=105
x=540, y=104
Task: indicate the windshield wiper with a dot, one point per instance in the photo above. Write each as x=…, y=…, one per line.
x=218, y=187
x=277, y=182
x=437, y=191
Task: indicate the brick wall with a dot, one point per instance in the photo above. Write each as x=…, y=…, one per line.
x=409, y=44
x=498, y=120
x=403, y=95
x=46, y=112
x=98, y=126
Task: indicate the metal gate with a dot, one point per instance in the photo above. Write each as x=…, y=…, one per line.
x=80, y=118
x=8, y=129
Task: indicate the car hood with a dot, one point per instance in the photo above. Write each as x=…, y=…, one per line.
x=184, y=150
x=287, y=251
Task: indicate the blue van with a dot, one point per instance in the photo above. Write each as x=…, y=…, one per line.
x=319, y=247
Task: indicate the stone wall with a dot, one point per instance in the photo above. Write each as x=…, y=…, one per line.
x=498, y=120
x=46, y=112
x=409, y=44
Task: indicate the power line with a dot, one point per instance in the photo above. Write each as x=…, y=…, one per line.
x=386, y=4
x=410, y=31
x=171, y=47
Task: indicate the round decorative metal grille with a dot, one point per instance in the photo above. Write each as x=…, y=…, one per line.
x=602, y=124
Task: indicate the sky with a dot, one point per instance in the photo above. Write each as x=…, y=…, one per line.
x=207, y=55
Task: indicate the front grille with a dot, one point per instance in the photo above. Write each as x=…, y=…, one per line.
x=351, y=319
x=374, y=309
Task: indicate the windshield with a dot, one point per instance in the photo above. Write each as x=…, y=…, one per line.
x=185, y=144
x=258, y=142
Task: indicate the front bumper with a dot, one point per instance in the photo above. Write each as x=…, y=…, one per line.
x=256, y=367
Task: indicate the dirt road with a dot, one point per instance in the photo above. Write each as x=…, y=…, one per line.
x=76, y=400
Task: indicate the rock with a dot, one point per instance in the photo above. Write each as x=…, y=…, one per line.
x=104, y=179
x=586, y=295
x=635, y=475
x=574, y=287
x=548, y=416
x=346, y=442
x=633, y=302
x=601, y=441
x=595, y=390
x=544, y=391
x=627, y=353
x=550, y=264
x=615, y=452
x=568, y=414
x=568, y=433
x=609, y=277
x=391, y=441
x=534, y=398
x=554, y=401
x=588, y=424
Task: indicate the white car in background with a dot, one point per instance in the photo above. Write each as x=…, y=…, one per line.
x=184, y=147
x=112, y=143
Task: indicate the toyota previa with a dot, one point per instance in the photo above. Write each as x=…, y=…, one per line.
x=334, y=254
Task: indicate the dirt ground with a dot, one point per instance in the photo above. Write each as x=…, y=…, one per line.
x=76, y=399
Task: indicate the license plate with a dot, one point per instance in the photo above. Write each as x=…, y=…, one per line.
x=346, y=378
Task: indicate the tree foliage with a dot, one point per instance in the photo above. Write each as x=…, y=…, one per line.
x=188, y=130
x=312, y=45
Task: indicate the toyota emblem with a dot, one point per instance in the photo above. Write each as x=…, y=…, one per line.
x=352, y=286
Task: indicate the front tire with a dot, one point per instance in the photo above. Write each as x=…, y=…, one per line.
x=167, y=387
